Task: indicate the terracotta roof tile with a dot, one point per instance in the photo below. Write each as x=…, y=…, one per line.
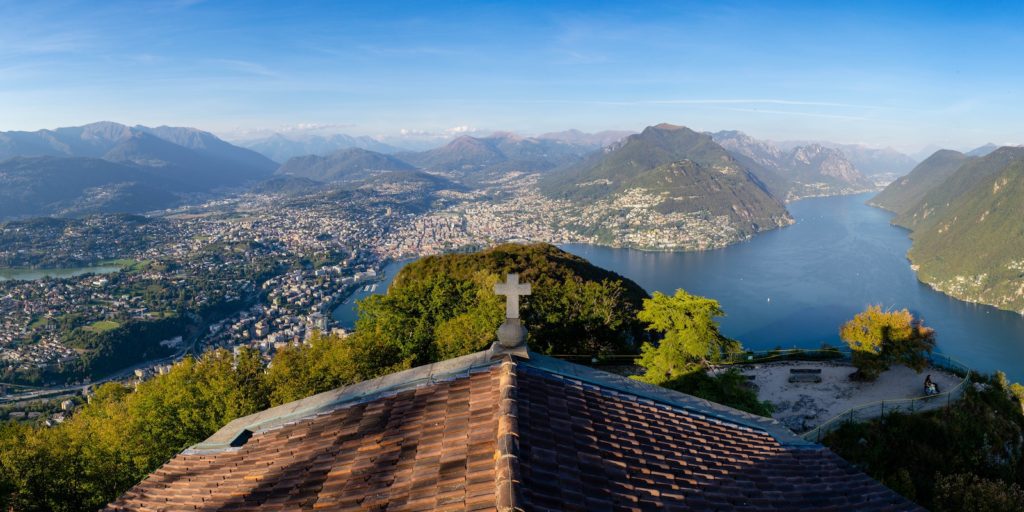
x=413, y=450
x=586, y=448
x=531, y=434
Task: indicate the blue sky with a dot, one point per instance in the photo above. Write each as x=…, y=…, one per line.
x=906, y=74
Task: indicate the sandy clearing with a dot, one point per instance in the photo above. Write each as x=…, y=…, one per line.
x=803, y=406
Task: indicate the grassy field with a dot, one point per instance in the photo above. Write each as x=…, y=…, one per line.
x=126, y=264
x=102, y=326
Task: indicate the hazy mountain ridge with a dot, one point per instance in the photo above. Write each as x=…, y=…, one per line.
x=33, y=186
x=905, y=193
x=595, y=140
x=796, y=172
x=341, y=165
x=501, y=152
x=109, y=167
x=678, y=170
x=870, y=161
x=281, y=147
x=983, y=150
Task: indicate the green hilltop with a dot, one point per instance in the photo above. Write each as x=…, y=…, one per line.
x=687, y=171
x=906, y=192
x=444, y=306
x=973, y=248
x=966, y=215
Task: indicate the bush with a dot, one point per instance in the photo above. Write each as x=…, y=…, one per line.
x=982, y=435
x=960, y=492
x=727, y=388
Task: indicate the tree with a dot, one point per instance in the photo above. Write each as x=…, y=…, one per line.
x=958, y=492
x=691, y=338
x=328, y=362
x=444, y=306
x=880, y=339
x=120, y=436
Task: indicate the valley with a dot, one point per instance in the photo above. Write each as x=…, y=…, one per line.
x=268, y=260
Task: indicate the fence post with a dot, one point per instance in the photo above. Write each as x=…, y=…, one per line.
x=883, y=408
x=912, y=402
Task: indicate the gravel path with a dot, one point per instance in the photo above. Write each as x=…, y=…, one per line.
x=803, y=406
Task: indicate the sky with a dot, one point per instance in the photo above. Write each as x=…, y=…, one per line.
x=904, y=74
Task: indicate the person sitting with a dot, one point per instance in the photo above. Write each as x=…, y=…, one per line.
x=929, y=386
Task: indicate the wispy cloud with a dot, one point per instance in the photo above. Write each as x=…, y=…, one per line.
x=243, y=66
x=411, y=51
x=798, y=113
x=759, y=102
x=34, y=44
x=446, y=133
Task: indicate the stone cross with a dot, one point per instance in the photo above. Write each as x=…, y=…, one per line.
x=512, y=290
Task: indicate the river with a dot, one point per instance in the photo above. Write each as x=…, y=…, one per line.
x=795, y=286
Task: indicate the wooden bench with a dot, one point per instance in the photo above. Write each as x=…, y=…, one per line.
x=814, y=371
x=805, y=377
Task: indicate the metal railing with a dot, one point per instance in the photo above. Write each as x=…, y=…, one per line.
x=911, y=405
x=853, y=414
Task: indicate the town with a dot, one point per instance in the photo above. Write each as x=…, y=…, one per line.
x=264, y=270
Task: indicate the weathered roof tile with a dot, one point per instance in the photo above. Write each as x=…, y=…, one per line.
x=532, y=434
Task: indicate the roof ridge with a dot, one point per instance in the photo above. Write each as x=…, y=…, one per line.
x=238, y=431
x=506, y=460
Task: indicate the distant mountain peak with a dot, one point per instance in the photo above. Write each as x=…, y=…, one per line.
x=667, y=126
x=506, y=135
x=594, y=140
x=797, y=171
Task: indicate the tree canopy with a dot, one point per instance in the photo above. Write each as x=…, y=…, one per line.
x=444, y=306
x=880, y=339
x=691, y=339
x=689, y=345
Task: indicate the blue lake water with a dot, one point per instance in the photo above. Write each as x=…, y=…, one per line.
x=795, y=286
x=345, y=314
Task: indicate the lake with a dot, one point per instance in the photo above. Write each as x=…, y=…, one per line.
x=795, y=286
x=345, y=313
x=31, y=274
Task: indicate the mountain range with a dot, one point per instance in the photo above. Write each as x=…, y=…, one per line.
x=475, y=158
x=679, y=170
x=983, y=150
x=594, y=140
x=965, y=215
x=799, y=171
x=110, y=167
x=342, y=165
x=280, y=147
x=869, y=161
x=906, y=192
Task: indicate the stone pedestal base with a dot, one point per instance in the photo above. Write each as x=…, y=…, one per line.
x=511, y=334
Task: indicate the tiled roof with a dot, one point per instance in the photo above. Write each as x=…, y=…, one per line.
x=588, y=448
x=508, y=434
